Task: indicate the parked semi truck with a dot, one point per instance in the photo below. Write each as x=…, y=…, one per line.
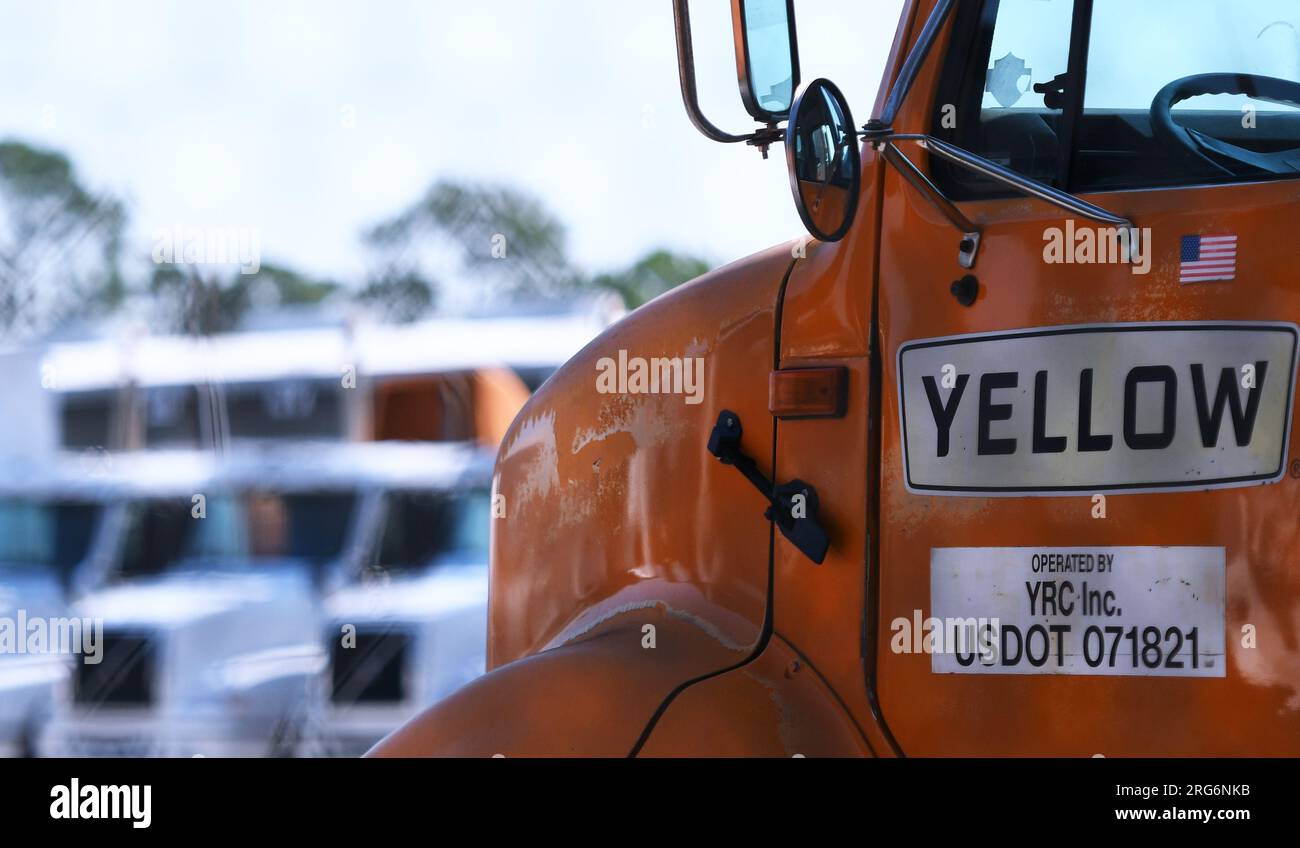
x=999, y=461
x=426, y=381
x=408, y=625
x=205, y=618
x=284, y=599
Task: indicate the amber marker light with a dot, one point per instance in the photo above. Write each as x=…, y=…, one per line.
x=807, y=393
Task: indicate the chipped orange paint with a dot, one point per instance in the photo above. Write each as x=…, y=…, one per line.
x=605, y=493
x=617, y=518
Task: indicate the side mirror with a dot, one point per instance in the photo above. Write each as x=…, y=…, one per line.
x=821, y=151
x=821, y=141
x=767, y=57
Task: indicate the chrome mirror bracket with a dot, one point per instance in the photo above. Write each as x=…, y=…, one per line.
x=882, y=139
x=968, y=248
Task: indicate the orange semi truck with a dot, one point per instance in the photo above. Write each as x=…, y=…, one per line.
x=1000, y=461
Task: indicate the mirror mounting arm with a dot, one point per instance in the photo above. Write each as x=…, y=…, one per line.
x=766, y=137
x=882, y=139
x=686, y=72
x=762, y=138
x=993, y=171
x=968, y=250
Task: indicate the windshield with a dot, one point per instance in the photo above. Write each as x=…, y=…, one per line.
x=230, y=532
x=423, y=528
x=164, y=533
x=1181, y=38
x=46, y=534
x=1019, y=76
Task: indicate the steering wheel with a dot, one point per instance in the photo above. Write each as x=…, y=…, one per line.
x=1198, y=144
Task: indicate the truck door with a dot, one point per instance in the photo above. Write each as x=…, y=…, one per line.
x=1089, y=478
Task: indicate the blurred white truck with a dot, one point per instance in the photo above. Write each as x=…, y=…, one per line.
x=282, y=599
x=210, y=642
x=410, y=625
x=50, y=521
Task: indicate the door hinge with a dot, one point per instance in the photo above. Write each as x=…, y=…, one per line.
x=793, y=506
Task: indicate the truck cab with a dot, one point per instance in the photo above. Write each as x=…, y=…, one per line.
x=406, y=624
x=997, y=460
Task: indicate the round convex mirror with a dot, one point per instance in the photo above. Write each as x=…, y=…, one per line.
x=821, y=150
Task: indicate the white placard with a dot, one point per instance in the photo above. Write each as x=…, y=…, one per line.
x=1101, y=408
x=1154, y=611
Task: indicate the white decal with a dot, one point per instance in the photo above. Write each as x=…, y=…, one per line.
x=1148, y=611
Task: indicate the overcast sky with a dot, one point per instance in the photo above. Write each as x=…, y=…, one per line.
x=309, y=120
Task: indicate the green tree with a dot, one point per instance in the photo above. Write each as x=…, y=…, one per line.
x=503, y=237
x=400, y=298
x=651, y=276
x=289, y=287
x=187, y=300
x=203, y=300
x=59, y=242
x=508, y=241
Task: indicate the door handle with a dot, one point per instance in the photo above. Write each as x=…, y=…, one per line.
x=792, y=506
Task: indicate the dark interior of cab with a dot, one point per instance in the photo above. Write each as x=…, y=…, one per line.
x=1077, y=149
x=1116, y=149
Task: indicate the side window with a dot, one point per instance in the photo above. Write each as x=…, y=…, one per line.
x=988, y=102
x=46, y=535
x=155, y=537
x=473, y=524
x=417, y=527
x=312, y=527
x=163, y=534
x=1019, y=126
x=285, y=409
x=424, y=528
x=220, y=535
x=86, y=418
x=171, y=416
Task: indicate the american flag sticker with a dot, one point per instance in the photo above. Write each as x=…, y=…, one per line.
x=1207, y=258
